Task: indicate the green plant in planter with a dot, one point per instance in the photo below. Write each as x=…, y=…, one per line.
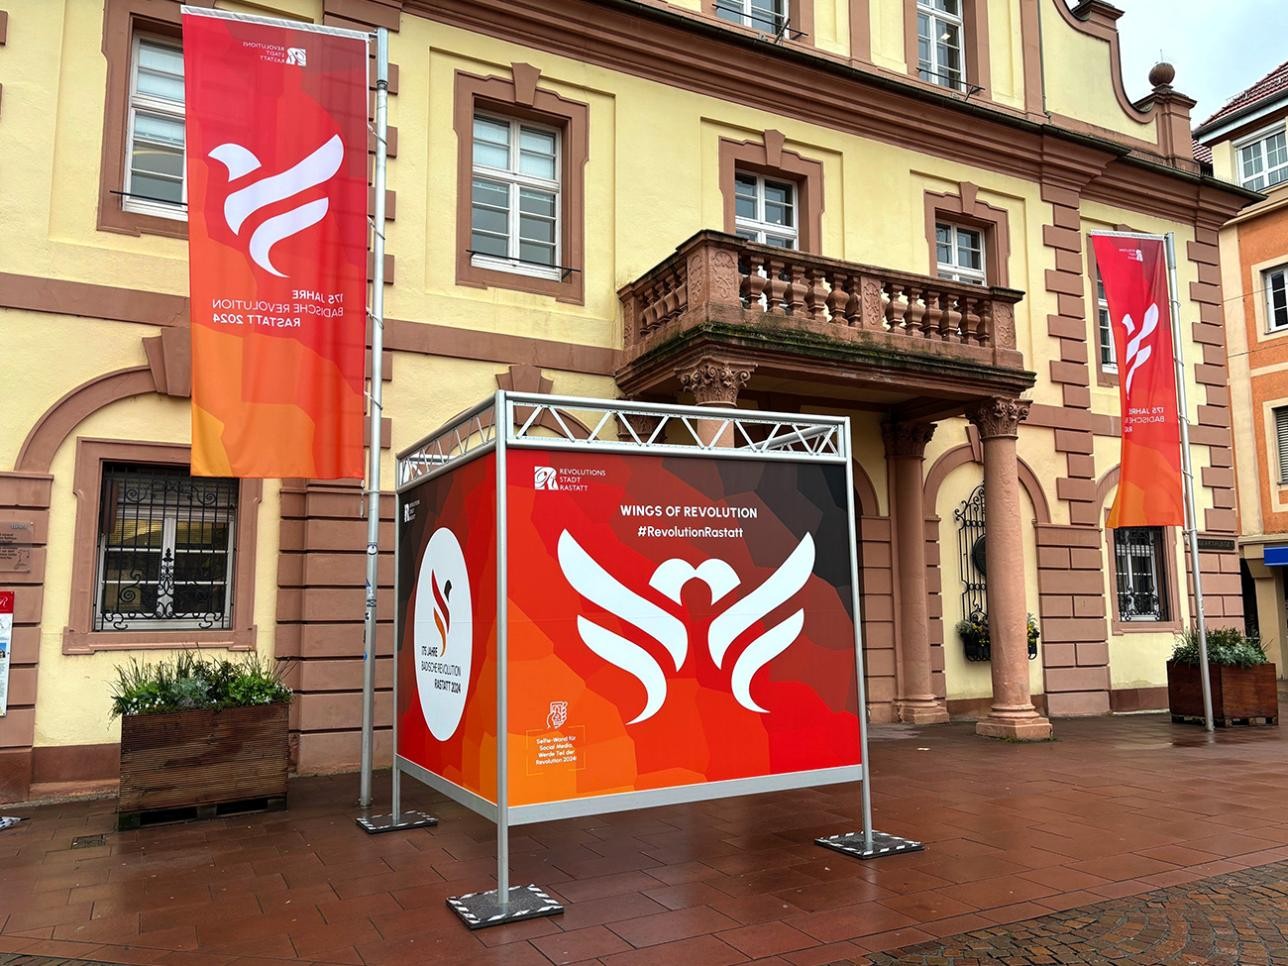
x=189, y=682
x=974, y=634
x=1226, y=646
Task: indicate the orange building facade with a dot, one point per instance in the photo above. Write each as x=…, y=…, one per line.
x=1248, y=141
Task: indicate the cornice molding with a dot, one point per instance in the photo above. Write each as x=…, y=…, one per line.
x=676, y=49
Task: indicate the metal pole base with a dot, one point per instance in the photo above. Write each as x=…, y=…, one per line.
x=851, y=843
x=478, y=910
x=408, y=818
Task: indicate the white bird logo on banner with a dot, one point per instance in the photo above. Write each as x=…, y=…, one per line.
x=318, y=167
x=1137, y=352
x=600, y=587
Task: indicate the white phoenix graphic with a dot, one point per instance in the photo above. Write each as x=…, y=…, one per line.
x=600, y=587
x=318, y=167
x=1137, y=352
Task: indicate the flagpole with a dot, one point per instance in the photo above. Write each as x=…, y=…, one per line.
x=373, y=440
x=1187, y=474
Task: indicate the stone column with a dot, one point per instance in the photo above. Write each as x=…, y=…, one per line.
x=715, y=382
x=905, y=447
x=1012, y=714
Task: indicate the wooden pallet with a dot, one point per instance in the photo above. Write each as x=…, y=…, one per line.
x=142, y=818
x=1228, y=722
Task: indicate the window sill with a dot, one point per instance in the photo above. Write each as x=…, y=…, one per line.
x=1145, y=627
x=497, y=264
x=89, y=642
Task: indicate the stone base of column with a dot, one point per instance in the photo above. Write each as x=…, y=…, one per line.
x=1018, y=724
x=922, y=711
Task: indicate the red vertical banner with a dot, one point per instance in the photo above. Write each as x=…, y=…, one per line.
x=277, y=245
x=1133, y=270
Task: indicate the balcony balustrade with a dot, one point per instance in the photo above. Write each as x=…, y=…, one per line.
x=715, y=279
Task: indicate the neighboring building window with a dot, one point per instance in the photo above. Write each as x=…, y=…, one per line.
x=940, y=57
x=766, y=210
x=767, y=16
x=1281, y=434
x=1108, y=357
x=154, y=158
x=165, y=550
x=1263, y=163
x=959, y=253
x=1139, y=566
x=1275, y=284
x=514, y=220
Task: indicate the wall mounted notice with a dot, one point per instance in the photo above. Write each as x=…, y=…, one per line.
x=6, y=638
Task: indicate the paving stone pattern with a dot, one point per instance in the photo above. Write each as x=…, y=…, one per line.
x=1226, y=920
x=1114, y=809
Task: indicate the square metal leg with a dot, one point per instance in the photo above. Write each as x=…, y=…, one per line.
x=478, y=910
x=851, y=843
x=407, y=818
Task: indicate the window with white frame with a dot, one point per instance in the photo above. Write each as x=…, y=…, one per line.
x=1281, y=438
x=959, y=253
x=767, y=16
x=1275, y=284
x=515, y=196
x=1108, y=354
x=940, y=50
x=165, y=549
x=154, y=158
x=1263, y=161
x=766, y=210
x=1139, y=567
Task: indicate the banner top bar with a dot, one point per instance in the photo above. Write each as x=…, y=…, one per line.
x=314, y=28
x=1127, y=234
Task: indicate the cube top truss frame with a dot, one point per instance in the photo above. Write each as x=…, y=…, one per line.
x=624, y=426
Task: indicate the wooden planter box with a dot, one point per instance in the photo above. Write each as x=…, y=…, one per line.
x=1239, y=694
x=198, y=764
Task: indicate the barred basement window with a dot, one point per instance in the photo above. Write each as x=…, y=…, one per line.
x=1139, y=565
x=165, y=550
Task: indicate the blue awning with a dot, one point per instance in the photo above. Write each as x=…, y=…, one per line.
x=1277, y=556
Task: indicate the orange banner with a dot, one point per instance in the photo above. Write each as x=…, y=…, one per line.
x=1133, y=271
x=277, y=245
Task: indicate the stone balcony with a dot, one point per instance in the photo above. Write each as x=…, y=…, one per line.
x=819, y=328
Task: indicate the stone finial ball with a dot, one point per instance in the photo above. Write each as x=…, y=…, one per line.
x=1162, y=75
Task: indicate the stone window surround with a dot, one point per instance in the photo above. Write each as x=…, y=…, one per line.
x=1174, y=623
x=122, y=20
x=520, y=97
x=771, y=158
x=974, y=45
x=79, y=637
x=965, y=209
x=800, y=17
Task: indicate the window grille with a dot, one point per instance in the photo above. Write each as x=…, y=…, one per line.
x=165, y=550
x=1138, y=563
x=970, y=543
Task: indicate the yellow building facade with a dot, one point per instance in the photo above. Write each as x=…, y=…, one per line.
x=873, y=207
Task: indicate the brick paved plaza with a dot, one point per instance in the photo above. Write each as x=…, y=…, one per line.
x=1035, y=854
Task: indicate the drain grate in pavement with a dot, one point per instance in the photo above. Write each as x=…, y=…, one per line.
x=88, y=841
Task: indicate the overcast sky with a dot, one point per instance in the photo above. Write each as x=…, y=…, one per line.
x=1219, y=47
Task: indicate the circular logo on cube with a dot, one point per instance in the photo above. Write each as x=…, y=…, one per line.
x=443, y=635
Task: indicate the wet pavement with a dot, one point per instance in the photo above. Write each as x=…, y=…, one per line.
x=1022, y=840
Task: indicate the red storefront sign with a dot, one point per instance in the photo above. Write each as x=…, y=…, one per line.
x=1133, y=271
x=277, y=235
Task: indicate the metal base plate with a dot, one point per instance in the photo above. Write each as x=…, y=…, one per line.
x=478, y=910
x=408, y=818
x=883, y=844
